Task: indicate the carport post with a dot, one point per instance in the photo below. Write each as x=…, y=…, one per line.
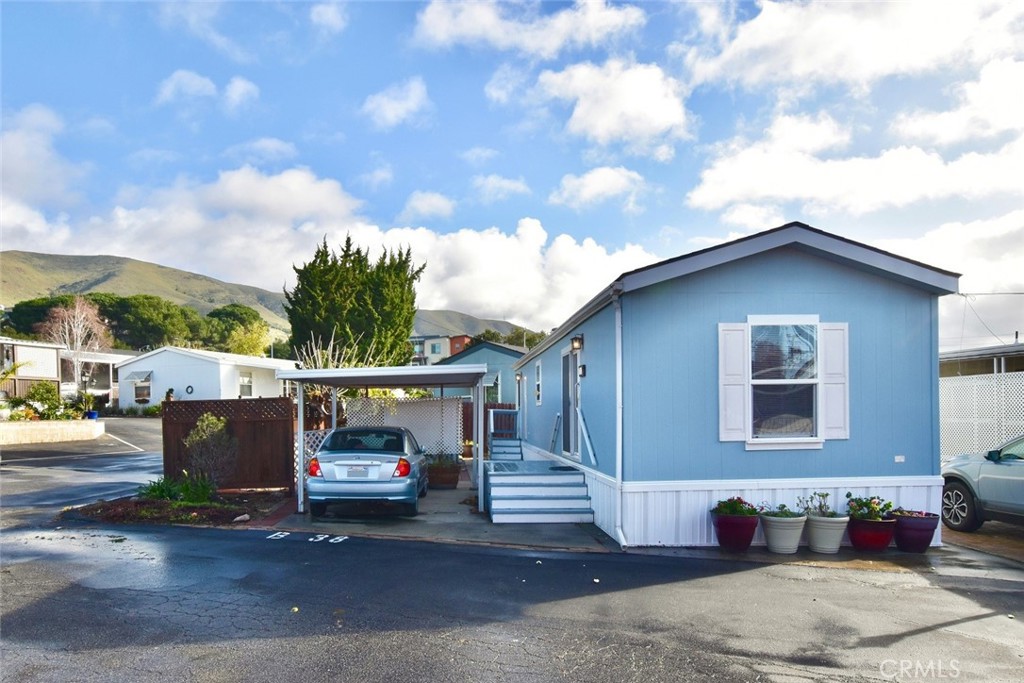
x=478, y=447
x=300, y=448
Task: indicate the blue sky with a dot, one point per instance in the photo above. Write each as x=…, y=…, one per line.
x=527, y=152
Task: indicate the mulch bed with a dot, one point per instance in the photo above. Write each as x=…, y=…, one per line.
x=227, y=508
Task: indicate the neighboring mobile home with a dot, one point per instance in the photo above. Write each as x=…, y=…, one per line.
x=780, y=364
x=194, y=374
x=500, y=381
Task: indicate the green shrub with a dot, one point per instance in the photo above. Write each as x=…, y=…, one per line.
x=151, y=411
x=132, y=411
x=212, y=451
x=44, y=397
x=161, y=489
x=197, y=488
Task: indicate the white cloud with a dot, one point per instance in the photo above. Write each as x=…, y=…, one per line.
x=599, y=185
x=488, y=23
x=493, y=188
x=33, y=171
x=988, y=107
x=753, y=216
x=262, y=150
x=397, y=104
x=184, y=85
x=477, y=156
x=506, y=84
x=987, y=252
x=199, y=18
x=638, y=105
x=426, y=205
x=238, y=93
x=784, y=167
x=856, y=43
x=328, y=17
x=379, y=177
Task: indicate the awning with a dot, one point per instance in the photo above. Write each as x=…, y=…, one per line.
x=490, y=379
x=137, y=376
x=390, y=377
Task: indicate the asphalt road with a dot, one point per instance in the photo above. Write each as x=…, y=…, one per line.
x=85, y=602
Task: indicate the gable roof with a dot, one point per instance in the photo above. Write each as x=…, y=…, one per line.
x=794, y=235
x=460, y=357
x=217, y=357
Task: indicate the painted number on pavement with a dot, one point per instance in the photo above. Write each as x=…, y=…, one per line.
x=312, y=539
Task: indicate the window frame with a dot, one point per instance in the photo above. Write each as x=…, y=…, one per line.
x=243, y=385
x=831, y=392
x=538, y=385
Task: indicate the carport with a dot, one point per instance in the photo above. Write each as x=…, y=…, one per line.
x=401, y=377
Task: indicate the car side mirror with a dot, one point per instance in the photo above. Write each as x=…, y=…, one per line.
x=994, y=456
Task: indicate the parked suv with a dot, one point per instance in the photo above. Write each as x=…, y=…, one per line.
x=984, y=486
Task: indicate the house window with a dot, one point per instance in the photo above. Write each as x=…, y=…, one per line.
x=245, y=384
x=143, y=391
x=783, y=382
x=537, y=383
x=435, y=349
x=493, y=392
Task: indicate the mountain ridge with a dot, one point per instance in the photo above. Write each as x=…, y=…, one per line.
x=31, y=275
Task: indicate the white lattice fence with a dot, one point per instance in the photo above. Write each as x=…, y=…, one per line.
x=979, y=412
x=435, y=422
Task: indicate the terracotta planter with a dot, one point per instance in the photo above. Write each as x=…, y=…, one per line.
x=871, y=535
x=782, y=534
x=825, y=534
x=914, y=534
x=735, y=532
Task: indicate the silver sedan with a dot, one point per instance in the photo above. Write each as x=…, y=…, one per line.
x=365, y=464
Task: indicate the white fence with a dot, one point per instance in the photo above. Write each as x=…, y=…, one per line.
x=979, y=412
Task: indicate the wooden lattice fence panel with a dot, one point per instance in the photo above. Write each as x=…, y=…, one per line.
x=264, y=427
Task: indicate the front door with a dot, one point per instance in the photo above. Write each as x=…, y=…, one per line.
x=570, y=398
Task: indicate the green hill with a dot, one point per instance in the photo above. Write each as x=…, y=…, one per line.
x=29, y=275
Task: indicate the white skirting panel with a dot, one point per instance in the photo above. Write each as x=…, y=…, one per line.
x=678, y=513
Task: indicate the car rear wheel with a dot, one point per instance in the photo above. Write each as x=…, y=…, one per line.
x=412, y=509
x=958, y=510
x=317, y=509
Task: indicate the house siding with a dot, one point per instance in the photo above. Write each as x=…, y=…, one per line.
x=671, y=383
x=497, y=360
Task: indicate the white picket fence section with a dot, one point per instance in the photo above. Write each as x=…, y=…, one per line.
x=979, y=412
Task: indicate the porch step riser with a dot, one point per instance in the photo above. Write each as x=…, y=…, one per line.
x=499, y=479
x=563, y=490
x=581, y=504
x=545, y=517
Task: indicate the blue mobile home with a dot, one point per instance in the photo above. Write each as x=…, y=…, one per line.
x=780, y=364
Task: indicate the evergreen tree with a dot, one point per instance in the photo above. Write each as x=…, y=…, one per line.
x=344, y=299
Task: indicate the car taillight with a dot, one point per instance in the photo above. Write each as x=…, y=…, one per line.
x=314, y=468
x=403, y=468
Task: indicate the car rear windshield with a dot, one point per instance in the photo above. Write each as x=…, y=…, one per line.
x=364, y=440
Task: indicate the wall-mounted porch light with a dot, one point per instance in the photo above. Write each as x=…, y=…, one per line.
x=581, y=371
x=577, y=342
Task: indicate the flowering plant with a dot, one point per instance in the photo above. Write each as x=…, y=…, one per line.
x=900, y=512
x=734, y=506
x=868, y=508
x=781, y=510
x=817, y=504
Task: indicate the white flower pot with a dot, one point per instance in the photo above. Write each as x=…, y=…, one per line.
x=825, y=534
x=782, y=533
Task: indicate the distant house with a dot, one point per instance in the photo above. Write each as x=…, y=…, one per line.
x=33, y=362
x=500, y=380
x=99, y=373
x=430, y=350
x=988, y=360
x=770, y=367
x=195, y=374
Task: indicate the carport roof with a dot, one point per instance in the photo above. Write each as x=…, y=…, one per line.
x=390, y=377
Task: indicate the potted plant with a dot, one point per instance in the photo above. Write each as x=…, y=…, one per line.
x=825, y=526
x=871, y=525
x=443, y=471
x=735, y=521
x=914, y=529
x=782, y=527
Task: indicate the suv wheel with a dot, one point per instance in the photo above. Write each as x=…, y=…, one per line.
x=958, y=509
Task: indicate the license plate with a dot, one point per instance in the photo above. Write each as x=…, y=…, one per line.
x=358, y=472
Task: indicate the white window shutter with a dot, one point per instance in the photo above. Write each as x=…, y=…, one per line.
x=835, y=385
x=733, y=385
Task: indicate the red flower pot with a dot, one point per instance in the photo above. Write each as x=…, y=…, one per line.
x=871, y=535
x=735, y=532
x=914, y=534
